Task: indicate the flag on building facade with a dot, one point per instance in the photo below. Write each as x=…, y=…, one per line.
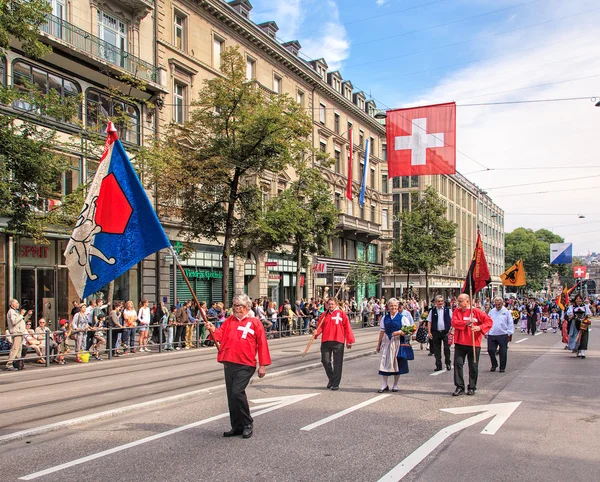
x=478, y=276
x=515, y=275
x=350, y=160
x=421, y=140
x=363, y=186
x=117, y=226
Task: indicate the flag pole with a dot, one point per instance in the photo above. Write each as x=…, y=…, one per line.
x=312, y=338
x=471, y=321
x=187, y=282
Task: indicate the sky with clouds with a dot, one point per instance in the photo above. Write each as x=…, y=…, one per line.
x=419, y=52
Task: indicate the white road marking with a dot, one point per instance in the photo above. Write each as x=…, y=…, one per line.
x=343, y=412
x=443, y=370
x=268, y=405
x=539, y=333
x=499, y=411
x=522, y=340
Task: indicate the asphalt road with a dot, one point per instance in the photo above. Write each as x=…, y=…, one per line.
x=551, y=436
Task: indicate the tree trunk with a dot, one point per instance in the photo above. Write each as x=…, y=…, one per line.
x=427, y=288
x=228, y=234
x=111, y=293
x=407, y=282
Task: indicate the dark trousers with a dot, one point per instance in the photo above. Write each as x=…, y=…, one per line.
x=237, y=378
x=437, y=339
x=128, y=338
x=114, y=336
x=179, y=336
x=460, y=352
x=89, y=339
x=531, y=326
x=495, y=342
x=332, y=358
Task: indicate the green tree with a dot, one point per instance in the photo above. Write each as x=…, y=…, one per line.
x=303, y=216
x=30, y=161
x=236, y=132
x=429, y=237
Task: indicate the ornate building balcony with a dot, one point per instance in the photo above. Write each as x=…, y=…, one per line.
x=368, y=229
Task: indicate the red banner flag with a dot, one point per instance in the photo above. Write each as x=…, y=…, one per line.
x=421, y=140
x=350, y=158
x=478, y=276
x=579, y=271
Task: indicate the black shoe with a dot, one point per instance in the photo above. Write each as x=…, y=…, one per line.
x=233, y=432
x=582, y=357
x=335, y=388
x=470, y=391
x=493, y=369
x=381, y=390
x=430, y=354
x=247, y=432
x=459, y=391
x=502, y=371
x=448, y=367
x=329, y=385
x=437, y=369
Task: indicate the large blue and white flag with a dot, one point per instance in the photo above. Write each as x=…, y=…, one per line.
x=117, y=226
x=561, y=253
x=363, y=186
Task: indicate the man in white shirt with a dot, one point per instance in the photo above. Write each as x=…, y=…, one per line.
x=497, y=337
x=438, y=326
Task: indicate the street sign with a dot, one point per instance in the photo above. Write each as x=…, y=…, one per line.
x=319, y=268
x=561, y=253
x=498, y=412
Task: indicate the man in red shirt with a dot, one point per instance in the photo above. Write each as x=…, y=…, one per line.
x=336, y=330
x=470, y=324
x=242, y=337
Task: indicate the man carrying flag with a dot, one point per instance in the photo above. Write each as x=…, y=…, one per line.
x=470, y=324
x=117, y=227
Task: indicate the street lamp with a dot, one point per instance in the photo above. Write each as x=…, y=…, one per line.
x=381, y=114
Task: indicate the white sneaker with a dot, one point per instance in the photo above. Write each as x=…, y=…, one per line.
x=177, y=349
x=187, y=347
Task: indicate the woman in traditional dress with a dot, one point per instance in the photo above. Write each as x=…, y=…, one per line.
x=390, y=339
x=579, y=317
x=523, y=321
x=554, y=317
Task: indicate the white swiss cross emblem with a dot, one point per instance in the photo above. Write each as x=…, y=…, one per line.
x=418, y=142
x=246, y=329
x=337, y=318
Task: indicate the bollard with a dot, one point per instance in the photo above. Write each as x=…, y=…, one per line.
x=160, y=338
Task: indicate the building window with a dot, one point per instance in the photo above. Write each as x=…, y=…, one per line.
x=396, y=205
x=114, y=33
x=218, y=46
x=414, y=181
x=372, y=253
x=300, y=98
x=372, y=213
x=250, y=68
x=384, y=184
x=277, y=84
x=395, y=183
x=179, y=107
x=26, y=75
x=338, y=201
x=384, y=151
x=396, y=229
x=405, y=202
x=336, y=123
x=361, y=138
x=129, y=118
x=2, y=70
x=323, y=146
x=384, y=219
x=338, y=161
x=372, y=178
x=350, y=249
x=179, y=30
x=350, y=210
x=362, y=171
x=405, y=181
x=322, y=109
x=372, y=147
x=362, y=212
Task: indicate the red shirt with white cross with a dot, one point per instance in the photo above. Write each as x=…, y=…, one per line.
x=335, y=326
x=241, y=340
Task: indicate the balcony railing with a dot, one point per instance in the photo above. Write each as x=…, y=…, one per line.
x=96, y=47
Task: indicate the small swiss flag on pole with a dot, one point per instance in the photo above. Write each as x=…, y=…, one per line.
x=579, y=271
x=421, y=140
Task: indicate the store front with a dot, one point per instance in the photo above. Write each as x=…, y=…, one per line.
x=204, y=270
x=281, y=278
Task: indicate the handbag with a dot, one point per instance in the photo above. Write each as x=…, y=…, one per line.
x=405, y=351
x=450, y=339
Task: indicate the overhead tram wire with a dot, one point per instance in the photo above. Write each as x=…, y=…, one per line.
x=549, y=192
x=476, y=38
x=541, y=182
x=542, y=168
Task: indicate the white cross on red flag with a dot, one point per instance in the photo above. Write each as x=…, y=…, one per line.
x=421, y=140
x=579, y=271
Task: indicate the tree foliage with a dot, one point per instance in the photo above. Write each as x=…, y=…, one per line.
x=427, y=237
x=21, y=20
x=534, y=248
x=237, y=130
x=302, y=216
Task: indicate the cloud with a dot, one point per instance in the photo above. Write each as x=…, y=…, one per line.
x=315, y=23
x=380, y=2
x=557, y=136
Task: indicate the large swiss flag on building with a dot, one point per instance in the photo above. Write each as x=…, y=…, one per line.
x=421, y=140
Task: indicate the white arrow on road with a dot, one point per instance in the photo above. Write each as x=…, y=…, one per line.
x=265, y=405
x=499, y=411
